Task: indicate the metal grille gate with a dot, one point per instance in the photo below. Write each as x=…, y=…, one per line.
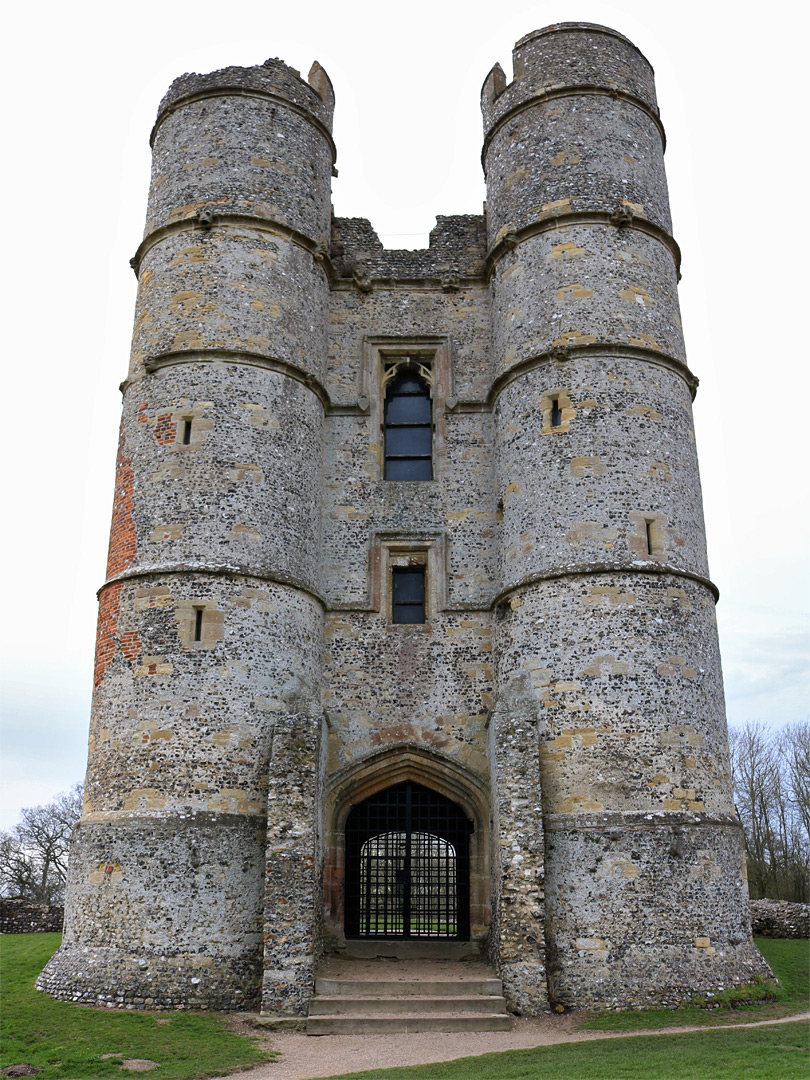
x=407, y=866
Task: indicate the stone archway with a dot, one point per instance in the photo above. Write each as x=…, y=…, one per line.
x=407, y=867
x=445, y=779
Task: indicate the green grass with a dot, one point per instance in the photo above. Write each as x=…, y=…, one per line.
x=768, y=1053
x=776, y=1053
x=790, y=962
x=67, y=1041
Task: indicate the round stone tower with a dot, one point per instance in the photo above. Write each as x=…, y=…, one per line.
x=606, y=643
x=209, y=650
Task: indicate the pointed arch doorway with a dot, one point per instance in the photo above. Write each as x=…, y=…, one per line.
x=408, y=867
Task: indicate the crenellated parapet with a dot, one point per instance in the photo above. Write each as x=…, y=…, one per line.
x=457, y=251
x=564, y=55
x=273, y=78
x=245, y=141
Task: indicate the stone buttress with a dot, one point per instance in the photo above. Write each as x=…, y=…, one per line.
x=606, y=644
x=194, y=864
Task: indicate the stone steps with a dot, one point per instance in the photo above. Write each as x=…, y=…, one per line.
x=357, y=1005
x=393, y=997
x=418, y=987
x=403, y=1024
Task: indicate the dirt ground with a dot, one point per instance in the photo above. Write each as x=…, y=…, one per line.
x=304, y=1057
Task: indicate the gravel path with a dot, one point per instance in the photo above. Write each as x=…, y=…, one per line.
x=304, y=1057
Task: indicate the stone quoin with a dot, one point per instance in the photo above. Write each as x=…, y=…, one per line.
x=407, y=634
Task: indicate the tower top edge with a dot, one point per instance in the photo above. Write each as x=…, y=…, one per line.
x=569, y=55
x=273, y=78
x=587, y=27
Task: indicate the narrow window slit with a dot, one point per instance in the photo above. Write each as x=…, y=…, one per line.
x=186, y=432
x=556, y=412
x=198, y=616
x=648, y=527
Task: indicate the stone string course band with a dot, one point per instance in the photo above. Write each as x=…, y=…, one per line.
x=253, y=687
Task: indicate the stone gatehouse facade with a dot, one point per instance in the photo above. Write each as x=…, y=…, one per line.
x=407, y=635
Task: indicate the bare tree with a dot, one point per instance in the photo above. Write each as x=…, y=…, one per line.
x=795, y=755
x=797, y=749
x=771, y=773
x=34, y=853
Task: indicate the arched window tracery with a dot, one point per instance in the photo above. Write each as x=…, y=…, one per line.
x=408, y=422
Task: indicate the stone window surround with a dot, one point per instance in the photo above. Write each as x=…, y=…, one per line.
x=431, y=350
x=408, y=549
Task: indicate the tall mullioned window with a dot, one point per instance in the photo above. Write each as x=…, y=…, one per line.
x=408, y=423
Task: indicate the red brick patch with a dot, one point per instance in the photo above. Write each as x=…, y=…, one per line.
x=130, y=643
x=165, y=429
x=122, y=531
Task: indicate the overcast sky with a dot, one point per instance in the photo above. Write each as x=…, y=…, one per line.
x=83, y=81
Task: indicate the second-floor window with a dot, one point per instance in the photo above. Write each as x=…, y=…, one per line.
x=408, y=594
x=408, y=425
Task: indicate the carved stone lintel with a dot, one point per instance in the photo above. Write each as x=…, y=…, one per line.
x=206, y=217
x=621, y=216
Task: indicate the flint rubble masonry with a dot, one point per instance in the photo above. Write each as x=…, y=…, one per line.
x=565, y=688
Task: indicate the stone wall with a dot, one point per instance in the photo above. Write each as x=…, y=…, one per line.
x=780, y=919
x=22, y=917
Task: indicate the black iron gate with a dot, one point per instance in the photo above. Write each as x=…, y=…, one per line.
x=407, y=866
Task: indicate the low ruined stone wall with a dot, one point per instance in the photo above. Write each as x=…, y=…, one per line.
x=780, y=919
x=22, y=917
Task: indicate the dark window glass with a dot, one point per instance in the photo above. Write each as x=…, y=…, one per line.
x=408, y=469
x=408, y=409
x=409, y=440
x=408, y=429
x=408, y=589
